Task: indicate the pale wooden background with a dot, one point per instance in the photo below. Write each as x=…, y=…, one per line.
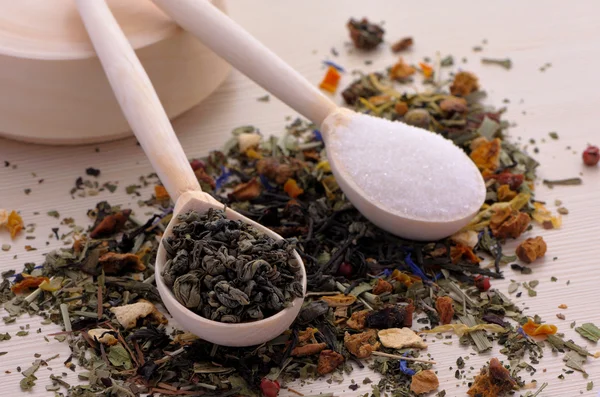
x=564, y=99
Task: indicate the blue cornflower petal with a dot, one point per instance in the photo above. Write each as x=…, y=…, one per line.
x=318, y=135
x=414, y=268
x=225, y=174
x=404, y=368
x=335, y=65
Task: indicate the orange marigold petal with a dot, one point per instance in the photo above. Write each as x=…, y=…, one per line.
x=28, y=283
x=331, y=80
x=292, y=189
x=14, y=224
x=427, y=70
x=534, y=329
x=161, y=193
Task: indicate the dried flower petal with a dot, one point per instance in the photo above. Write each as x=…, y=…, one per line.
x=445, y=309
x=424, y=382
x=339, y=300
x=357, y=320
x=330, y=80
x=531, y=249
x=292, y=189
x=161, y=193
x=535, y=329
x=402, y=44
x=329, y=361
x=462, y=329
x=426, y=69
x=400, y=338
x=464, y=83
x=28, y=283
x=247, y=191
x=460, y=251
x=206, y=181
x=544, y=217
x=406, y=279
x=382, y=286
x=363, y=344
x=401, y=70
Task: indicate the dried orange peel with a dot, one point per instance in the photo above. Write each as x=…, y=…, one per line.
x=331, y=80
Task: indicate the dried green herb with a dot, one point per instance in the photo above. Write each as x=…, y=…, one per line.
x=505, y=63
x=562, y=182
x=589, y=331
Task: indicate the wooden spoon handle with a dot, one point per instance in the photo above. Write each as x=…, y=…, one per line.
x=137, y=98
x=230, y=41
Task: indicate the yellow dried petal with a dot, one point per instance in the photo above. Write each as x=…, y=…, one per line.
x=462, y=329
x=52, y=285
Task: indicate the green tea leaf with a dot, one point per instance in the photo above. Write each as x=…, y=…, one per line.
x=590, y=386
x=589, y=331
x=488, y=128
x=119, y=357
x=574, y=361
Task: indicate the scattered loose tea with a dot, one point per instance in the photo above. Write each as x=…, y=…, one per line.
x=505, y=63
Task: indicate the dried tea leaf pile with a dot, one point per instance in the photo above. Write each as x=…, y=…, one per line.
x=362, y=282
x=227, y=270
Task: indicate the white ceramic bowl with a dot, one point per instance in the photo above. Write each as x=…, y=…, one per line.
x=53, y=89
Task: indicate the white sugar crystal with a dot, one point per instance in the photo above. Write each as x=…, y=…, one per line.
x=407, y=170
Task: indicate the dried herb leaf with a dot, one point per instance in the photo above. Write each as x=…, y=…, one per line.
x=119, y=357
x=589, y=331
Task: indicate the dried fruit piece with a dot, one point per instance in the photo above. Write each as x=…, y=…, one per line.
x=505, y=193
x=207, y=182
x=454, y=105
x=279, y=172
x=486, y=155
x=14, y=224
x=468, y=238
x=329, y=361
x=103, y=336
x=269, y=388
x=591, y=156
x=248, y=140
x=308, y=349
x=493, y=380
x=357, y=320
x=402, y=44
x=531, y=249
x=401, y=108
x=418, y=117
x=111, y=224
x=506, y=222
x=363, y=344
x=400, y=338
x=382, y=286
x=401, y=71
x=365, y=35
x=128, y=315
x=464, y=83
x=445, y=309
x=535, y=329
x=424, y=382
x=114, y=263
x=339, y=300
x=247, y=191
x=391, y=316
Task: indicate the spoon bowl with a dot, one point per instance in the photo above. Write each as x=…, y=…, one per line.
x=225, y=334
x=426, y=188
x=149, y=122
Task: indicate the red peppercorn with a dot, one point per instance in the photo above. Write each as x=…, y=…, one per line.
x=269, y=388
x=482, y=283
x=345, y=269
x=197, y=164
x=591, y=155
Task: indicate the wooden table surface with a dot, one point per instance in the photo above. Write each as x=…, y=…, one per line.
x=563, y=98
